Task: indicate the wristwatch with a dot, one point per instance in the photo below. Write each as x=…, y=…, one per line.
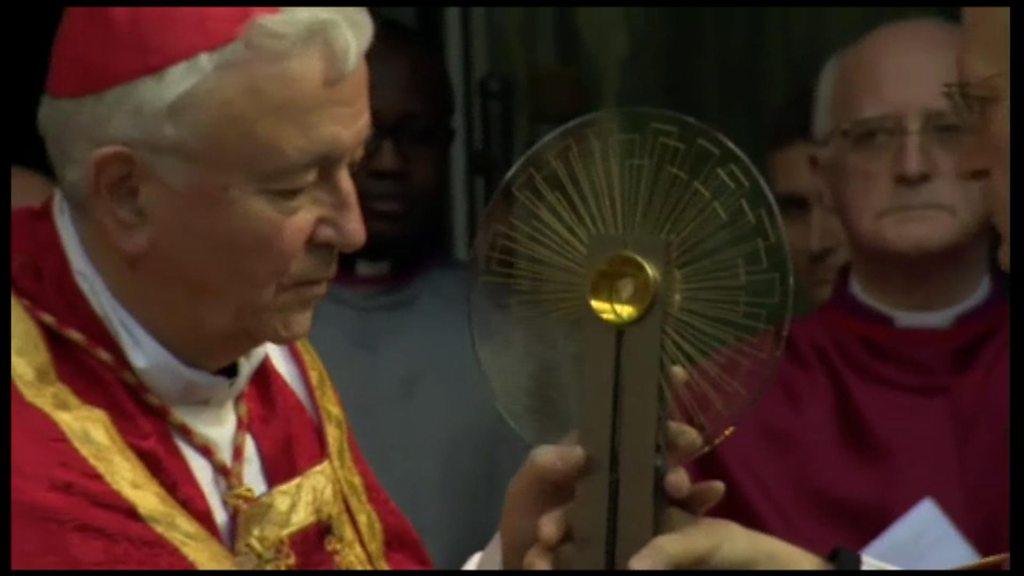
x=843, y=558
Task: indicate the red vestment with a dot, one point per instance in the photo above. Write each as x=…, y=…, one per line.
x=97, y=480
x=866, y=419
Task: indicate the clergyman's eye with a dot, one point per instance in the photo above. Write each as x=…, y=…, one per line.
x=866, y=136
x=286, y=193
x=946, y=127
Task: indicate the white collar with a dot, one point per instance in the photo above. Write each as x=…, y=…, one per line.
x=932, y=319
x=170, y=379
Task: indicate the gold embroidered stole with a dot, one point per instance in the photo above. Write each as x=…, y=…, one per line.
x=332, y=492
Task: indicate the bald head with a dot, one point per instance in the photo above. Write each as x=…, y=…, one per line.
x=890, y=170
x=920, y=53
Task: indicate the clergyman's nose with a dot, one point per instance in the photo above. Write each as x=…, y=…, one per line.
x=343, y=226
x=913, y=163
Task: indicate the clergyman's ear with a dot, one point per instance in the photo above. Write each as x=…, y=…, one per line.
x=116, y=197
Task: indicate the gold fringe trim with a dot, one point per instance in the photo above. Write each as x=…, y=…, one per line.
x=91, y=432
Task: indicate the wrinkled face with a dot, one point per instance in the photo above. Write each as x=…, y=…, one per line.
x=891, y=164
x=983, y=95
x=403, y=178
x=816, y=239
x=251, y=243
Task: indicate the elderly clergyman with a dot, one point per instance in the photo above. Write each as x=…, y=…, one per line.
x=166, y=411
x=896, y=391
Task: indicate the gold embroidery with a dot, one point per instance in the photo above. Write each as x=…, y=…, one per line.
x=370, y=531
x=94, y=436
x=271, y=519
x=240, y=498
x=267, y=554
x=332, y=492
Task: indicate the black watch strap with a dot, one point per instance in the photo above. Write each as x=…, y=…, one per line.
x=844, y=559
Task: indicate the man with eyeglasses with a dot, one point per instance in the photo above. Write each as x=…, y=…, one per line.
x=896, y=390
x=394, y=326
x=982, y=98
x=167, y=411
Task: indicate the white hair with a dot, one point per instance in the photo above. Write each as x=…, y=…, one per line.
x=824, y=90
x=137, y=113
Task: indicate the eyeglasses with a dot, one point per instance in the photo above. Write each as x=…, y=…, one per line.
x=971, y=100
x=410, y=137
x=880, y=136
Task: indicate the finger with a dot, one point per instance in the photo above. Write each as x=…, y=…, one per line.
x=553, y=527
x=678, y=375
x=538, y=558
x=548, y=475
x=677, y=484
x=557, y=464
x=684, y=548
x=546, y=480
x=703, y=496
x=684, y=442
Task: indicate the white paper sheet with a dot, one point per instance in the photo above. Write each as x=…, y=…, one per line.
x=922, y=538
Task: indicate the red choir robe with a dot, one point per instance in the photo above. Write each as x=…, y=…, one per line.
x=97, y=480
x=866, y=419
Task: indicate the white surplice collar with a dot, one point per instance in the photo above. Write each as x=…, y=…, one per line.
x=932, y=319
x=170, y=379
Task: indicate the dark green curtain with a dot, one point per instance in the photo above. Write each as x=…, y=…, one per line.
x=730, y=67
